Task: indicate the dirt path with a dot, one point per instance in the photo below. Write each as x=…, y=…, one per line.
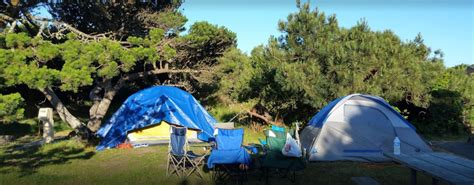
x=460, y=148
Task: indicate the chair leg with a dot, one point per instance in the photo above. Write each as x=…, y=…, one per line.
x=198, y=163
x=241, y=177
x=168, y=166
x=176, y=166
x=214, y=174
x=195, y=167
x=293, y=177
x=244, y=176
x=182, y=164
x=266, y=174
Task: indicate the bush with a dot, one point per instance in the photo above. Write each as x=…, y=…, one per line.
x=444, y=115
x=11, y=107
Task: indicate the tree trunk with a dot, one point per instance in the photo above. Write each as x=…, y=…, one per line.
x=100, y=108
x=65, y=115
x=63, y=112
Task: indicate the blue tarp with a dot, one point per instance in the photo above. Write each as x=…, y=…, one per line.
x=151, y=106
x=319, y=119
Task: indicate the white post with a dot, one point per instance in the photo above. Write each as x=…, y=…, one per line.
x=46, y=116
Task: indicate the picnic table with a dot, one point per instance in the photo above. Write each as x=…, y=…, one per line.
x=440, y=166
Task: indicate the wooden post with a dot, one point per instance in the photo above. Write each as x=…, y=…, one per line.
x=48, y=131
x=45, y=115
x=413, y=177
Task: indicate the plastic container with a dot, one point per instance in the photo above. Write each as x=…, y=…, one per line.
x=396, y=146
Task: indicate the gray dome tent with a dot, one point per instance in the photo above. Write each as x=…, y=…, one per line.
x=358, y=128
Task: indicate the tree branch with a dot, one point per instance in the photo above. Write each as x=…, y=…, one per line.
x=30, y=18
x=12, y=28
x=263, y=118
x=156, y=72
x=61, y=109
x=6, y=17
x=40, y=31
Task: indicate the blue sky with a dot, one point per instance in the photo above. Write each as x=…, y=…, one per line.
x=444, y=24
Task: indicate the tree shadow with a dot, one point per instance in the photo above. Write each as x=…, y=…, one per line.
x=29, y=159
x=16, y=129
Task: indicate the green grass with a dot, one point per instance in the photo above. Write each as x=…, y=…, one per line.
x=224, y=113
x=251, y=136
x=70, y=162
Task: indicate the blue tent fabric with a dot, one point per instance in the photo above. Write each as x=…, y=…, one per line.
x=151, y=106
x=229, y=148
x=319, y=119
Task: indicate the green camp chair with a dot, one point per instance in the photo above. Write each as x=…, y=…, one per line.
x=273, y=159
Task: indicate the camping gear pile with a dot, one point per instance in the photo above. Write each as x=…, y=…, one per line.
x=355, y=127
x=278, y=156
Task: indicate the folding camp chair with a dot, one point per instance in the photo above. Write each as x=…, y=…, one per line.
x=181, y=161
x=229, y=157
x=273, y=157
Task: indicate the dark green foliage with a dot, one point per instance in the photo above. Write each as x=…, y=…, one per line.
x=124, y=18
x=205, y=42
x=121, y=18
x=451, y=103
x=17, y=129
x=444, y=114
x=11, y=107
x=236, y=71
x=316, y=61
x=90, y=50
x=27, y=62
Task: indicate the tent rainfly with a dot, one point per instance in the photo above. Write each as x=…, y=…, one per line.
x=148, y=108
x=358, y=128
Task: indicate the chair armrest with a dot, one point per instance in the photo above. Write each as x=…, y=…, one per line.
x=253, y=148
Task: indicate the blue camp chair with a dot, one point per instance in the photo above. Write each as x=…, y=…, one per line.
x=229, y=154
x=181, y=161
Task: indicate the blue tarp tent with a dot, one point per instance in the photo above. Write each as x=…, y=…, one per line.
x=151, y=106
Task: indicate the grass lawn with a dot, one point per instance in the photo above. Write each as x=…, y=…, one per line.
x=70, y=162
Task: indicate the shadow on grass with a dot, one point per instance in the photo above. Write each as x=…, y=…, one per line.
x=28, y=160
x=184, y=182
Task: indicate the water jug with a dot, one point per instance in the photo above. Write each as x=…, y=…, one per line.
x=396, y=146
